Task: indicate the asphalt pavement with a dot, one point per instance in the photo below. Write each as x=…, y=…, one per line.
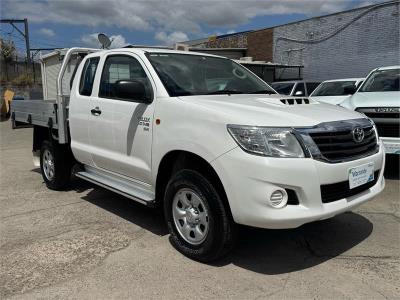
x=89, y=243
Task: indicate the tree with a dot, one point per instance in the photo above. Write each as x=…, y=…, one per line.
x=7, y=52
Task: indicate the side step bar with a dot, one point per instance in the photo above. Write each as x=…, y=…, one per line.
x=118, y=185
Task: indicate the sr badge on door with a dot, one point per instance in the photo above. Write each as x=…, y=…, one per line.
x=361, y=175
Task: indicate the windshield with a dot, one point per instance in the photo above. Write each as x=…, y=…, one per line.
x=382, y=81
x=336, y=88
x=186, y=75
x=283, y=88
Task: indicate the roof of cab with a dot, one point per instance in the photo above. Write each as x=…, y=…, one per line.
x=163, y=50
x=388, y=68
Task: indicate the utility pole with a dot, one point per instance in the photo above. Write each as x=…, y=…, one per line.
x=28, y=49
x=25, y=34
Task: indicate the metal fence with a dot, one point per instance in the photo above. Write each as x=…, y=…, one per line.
x=20, y=73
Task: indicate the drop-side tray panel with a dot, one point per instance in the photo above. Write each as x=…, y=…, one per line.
x=34, y=112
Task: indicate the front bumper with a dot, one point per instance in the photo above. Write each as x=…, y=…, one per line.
x=249, y=179
x=391, y=144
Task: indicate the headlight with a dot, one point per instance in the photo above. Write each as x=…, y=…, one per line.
x=266, y=141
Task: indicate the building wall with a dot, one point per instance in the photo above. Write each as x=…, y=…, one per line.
x=369, y=42
x=259, y=44
x=231, y=53
x=232, y=41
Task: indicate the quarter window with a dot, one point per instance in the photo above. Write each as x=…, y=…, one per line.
x=88, y=73
x=122, y=68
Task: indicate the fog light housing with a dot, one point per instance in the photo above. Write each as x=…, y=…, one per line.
x=278, y=198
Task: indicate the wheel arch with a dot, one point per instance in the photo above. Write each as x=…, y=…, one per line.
x=176, y=160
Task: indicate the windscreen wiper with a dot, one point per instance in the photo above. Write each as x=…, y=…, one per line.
x=224, y=92
x=269, y=92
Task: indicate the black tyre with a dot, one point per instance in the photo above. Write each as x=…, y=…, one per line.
x=55, y=165
x=199, y=223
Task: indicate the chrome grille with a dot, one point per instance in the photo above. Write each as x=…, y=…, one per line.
x=387, y=119
x=335, y=141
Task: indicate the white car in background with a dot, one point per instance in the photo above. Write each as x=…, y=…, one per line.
x=337, y=90
x=379, y=99
x=298, y=88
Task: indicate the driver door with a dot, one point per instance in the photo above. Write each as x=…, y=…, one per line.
x=121, y=135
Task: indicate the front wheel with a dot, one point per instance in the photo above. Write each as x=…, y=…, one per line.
x=199, y=223
x=55, y=165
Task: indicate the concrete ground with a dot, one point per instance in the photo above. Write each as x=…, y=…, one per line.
x=90, y=243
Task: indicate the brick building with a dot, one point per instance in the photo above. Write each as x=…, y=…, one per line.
x=344, y=44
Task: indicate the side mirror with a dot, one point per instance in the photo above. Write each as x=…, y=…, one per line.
x=349, y=89
x=299, y=93
x=131, y=90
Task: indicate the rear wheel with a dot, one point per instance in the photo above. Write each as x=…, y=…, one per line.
x=48, y=164
x=200, y=225
x=55, y=165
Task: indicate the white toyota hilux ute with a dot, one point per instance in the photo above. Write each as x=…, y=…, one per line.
x=206, y=140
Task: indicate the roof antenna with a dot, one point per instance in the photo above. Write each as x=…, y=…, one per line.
x=104, y=41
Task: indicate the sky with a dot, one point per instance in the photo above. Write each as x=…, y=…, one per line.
x=61, y=23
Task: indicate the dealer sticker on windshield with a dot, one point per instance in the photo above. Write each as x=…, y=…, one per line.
x=361, y=175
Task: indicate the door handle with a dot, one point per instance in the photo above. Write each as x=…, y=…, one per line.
x=96, y=111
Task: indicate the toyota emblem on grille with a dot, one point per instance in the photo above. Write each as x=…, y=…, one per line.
x=358, y=134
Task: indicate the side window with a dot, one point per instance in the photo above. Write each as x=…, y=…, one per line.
x=119, y=72
x=299, y=90
x=87, y=78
